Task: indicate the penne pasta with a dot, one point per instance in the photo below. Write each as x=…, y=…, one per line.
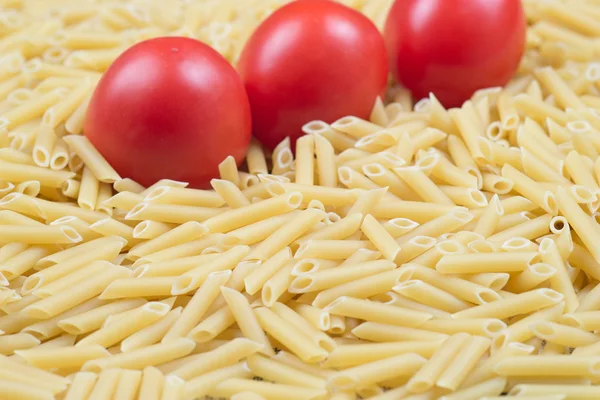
x=223, y=356
x=562, y=365
x=440, y=361
x=144, y=357
x=246, y=320
x=412, y=252
x=485, y=262
x=285, y=333
x=377, y=371
x=513, y=305
x=92, y=158
x=371, y=311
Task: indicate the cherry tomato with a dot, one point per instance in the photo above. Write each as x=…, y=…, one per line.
x=311, y=59
x=454, y=47
x=169, y=108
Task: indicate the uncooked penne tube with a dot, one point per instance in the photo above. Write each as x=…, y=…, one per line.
x=376, y=332
x=531, y=189
x=60, y=302
x=582, y=223
x=242, y=216
x=152, y=333
x=449, y=222
x=20, y=173
x=529, y=229
x=124, y=200
x=194, y=278
x=106, y=248
x=229, y=387
x=560, y=281
x=171, y=213
x=326, y=165
x=530, y=278
x=431, y=296
x=325, y=279
x=34, y=376
x=585, y=320
x=285, y=333
x=487, y=327
x=139, y=287
x=10, y=344
x=463, y=363
x=488, y=222
x=63, y=357
x=259, y=231
x=461, y=288
x=562, y=334
x=299, y=320
x=491, y=387
x=40, y=235
x=286, y=234
x=467, y=123
x=376, y=312
x=82, y=227
x=339, y=230
x=305, y=154
x=93, y=319
x=357, y=354
x=360, y=288
x=546, y=390
x=381, y=239
x=150, y=229
x=128, y=385
x=198, y=305
x=281, y=373
x=246, y=320
x=141, y=358
x=331, y=249
x=422, y=185
x=65, y=282
x=520, y=332
x=114, y=333
x=230, y=193
x=201, y=385
x=185, y=232
x=440, y=361
x=92, y=158
x=377, y=371
x=183, y=196
x=82, y=385
x=519, y=304
x=545, y=365
x=213, y=325
x=223, y=356
x=277, y=285
x=485, y=262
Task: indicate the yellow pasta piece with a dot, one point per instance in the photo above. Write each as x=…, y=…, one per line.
x=92, y=158
x=440, y=361
x=511, y=306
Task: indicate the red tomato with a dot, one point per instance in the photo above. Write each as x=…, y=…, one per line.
x=169, y=108
x=454, y=47
x=311, y=59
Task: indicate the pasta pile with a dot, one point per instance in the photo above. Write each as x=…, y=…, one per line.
x=423, y=254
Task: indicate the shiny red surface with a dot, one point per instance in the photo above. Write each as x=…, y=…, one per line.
x=311, y=59
x=169, y=108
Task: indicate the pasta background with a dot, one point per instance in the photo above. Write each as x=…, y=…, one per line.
x=426, y=253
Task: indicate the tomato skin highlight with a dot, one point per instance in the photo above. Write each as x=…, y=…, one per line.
x=311, y=59
x=169, y=108
x=454, y=47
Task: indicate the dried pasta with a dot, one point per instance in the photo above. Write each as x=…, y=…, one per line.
x=418, y=253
